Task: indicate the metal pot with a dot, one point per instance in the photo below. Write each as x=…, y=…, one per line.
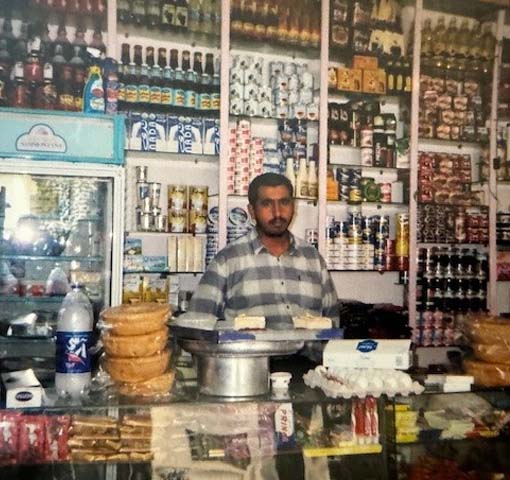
x=236, y=369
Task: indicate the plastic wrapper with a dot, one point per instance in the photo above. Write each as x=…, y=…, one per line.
x=360, y=382
x=136, y=362
x=488, y=374
x=57, y=283
x=31, y=431
x=56, y=438
x=487, y=329
x=8, y=437
x=492, y=353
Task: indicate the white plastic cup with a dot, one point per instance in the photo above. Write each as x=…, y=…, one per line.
x=280, y=381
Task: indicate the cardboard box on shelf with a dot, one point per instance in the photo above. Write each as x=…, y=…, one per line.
x=365, y=62
x=374, y=81
x=349, y=79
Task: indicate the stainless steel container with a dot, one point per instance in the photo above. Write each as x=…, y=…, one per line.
x=236, y=369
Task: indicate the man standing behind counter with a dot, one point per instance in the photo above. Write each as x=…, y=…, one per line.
x=267, y=272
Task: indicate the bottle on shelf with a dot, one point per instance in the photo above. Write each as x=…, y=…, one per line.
x=181, y=14
x=302, y=179
x=290, y=173
x=312, y=181
x=123, y=11
x=152, y=14
x=167, y=14
x=19, y=92
x=78, y=86
x=137, y=12
x=74, y=333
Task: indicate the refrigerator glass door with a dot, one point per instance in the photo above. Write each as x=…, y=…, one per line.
x=54, y=230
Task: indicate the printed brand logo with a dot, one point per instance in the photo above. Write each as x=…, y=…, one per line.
x=41, y=138
x=73, y=352
x=366, y=346
x=24, y=396
x=185, y=138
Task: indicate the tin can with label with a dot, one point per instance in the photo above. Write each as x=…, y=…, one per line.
x=366, y=156
x=141, y=173
x=366, y=137
x=293, y=98
x=177, y=197
x=252, y=75
x=312, y=111
x=266, y=109
x=146, y=222
x=307, y=80
x=402, y=235
x=177, y=221
x=197, y=221
x=142, y=191
x=282, y=111
x=306, y=96
x=160, y=223
x=198, y=198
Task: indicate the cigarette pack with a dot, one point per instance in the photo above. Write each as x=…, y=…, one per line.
x=22, y=389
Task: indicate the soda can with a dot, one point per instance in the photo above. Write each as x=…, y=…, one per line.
x=142, y=190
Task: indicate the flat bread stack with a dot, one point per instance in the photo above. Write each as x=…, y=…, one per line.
x=137, y=354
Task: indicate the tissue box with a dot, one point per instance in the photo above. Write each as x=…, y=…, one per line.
x=368, y=354
x=22, y=389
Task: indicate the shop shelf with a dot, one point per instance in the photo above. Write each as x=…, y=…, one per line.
x=264, y=47
x=48, y=258
x=188, y=157
x=271, y=120
x=311, y=452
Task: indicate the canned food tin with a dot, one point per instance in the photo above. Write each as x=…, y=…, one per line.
x=266, y=109
x=142, y=190
x=236, y=75
x=141, y=173
x=177, y=221
x=177, y=197
x=312, y=111
x=146, y=222
x=145, y=204
x=198, y=197
x=251, y=91
x=306, y=96
x=252, y=75
x=293, y=98
x=282, y=111
x=160, y=223
x=197, y=221
x=366, y=138
x=300, y=111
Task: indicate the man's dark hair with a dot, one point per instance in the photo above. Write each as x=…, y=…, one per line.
x=267, y=180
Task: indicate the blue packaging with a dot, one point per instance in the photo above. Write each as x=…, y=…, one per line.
x=189, y=135
x=211, y=136
x=172, y=134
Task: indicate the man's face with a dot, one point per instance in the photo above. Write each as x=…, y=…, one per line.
x=273, y=210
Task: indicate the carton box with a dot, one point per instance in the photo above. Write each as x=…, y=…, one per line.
x=189, y=135
x=364, y=62
x=22, y=389
x=374, y=81
x=172, y=134
x=368, y=354
x=349, y=79
x=211, y=136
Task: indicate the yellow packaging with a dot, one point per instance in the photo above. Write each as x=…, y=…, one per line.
x=331, y=186
x=365, y=62
x=374, y=81
x=155, y=288
x=132, y=288
x=349, y=79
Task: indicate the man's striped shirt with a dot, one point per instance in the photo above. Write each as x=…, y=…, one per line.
x=244, y=278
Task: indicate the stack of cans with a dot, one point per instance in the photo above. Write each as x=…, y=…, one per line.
x=238, y=223
x=246, y=158
x=360, y=243
x=148, y=212
x=274, y=90
x=187, y=208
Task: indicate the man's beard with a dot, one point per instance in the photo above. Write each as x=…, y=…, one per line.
x=281, y=231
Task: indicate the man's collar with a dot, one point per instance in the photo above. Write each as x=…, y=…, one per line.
x=258, y=246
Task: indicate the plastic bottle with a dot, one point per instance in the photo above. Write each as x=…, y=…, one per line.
x=290, y=174
x=313, y=186
x=74, y=330
x=302, y=179
x=93, y=93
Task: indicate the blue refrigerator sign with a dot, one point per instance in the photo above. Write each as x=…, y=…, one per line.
x=62, y=136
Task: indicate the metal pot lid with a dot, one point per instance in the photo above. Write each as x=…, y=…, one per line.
x=241, y=348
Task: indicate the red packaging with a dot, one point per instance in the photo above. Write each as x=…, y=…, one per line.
x=371, y=409
x=8, y=437
x=57, y=434
x=32, y=431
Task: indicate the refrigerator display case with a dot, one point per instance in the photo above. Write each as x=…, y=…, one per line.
x=61, y=221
